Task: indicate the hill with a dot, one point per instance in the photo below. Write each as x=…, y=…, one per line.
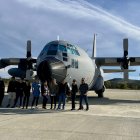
x=118, y=83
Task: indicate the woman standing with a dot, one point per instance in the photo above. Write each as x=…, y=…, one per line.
x=45, y=94
x=53, y=93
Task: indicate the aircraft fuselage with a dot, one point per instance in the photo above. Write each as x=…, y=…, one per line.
x=61, y=60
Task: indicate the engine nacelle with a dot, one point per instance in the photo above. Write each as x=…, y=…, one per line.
x=16, y=72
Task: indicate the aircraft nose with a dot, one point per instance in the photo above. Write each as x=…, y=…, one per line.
x=51, y=68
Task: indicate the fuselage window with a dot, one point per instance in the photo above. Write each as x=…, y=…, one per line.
x=76, y=64
x=65, y=59
x=65, y=54
x=72, y=63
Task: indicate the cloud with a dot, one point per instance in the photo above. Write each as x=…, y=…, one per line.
x=87, y=11
x=73, y=20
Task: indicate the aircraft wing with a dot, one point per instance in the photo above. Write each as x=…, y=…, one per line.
x=15, y=61
x=120, y=61
x=134, y=61
x=107, y=61
x=8, y=61
x=123, y=61
x=25, y=65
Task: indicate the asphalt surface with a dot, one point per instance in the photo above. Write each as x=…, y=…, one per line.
x=115, y=117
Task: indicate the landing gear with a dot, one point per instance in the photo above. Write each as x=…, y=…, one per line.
x=100, y=95
x=100, y=92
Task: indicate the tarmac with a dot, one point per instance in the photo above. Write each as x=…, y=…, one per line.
x=114, y=117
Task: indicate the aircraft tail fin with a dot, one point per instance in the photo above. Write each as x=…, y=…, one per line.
x=94, y=47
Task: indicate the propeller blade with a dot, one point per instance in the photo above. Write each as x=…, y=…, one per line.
x=125, y=47
x=125, y=74
x=29, y=74
x=28, y=55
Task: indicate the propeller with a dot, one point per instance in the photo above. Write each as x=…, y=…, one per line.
x=125, y=60
x=29, y=61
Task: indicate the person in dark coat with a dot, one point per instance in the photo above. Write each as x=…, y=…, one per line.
x=73, y=93
x=19, y=92
x=45, y=94
x=83, y=89
x=27, y=88
x=2, y=88
x=63, y=88
x=11, y=91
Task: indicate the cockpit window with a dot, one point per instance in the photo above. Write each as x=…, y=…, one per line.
x=69, y=50
x=52, y=50
x=77, y=53
x=72, y=49
x=62, y=48
x=53, y=47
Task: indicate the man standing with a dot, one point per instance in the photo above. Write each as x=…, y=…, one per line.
x=11, y=90
x=83, y=94
x=2, y=87
x=73, y=93
x=63, y=88
x=19, y=92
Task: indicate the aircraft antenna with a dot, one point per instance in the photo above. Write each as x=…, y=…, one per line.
x=94, y=47
x=58, y=38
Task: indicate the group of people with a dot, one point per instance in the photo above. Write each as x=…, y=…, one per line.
x=20, y=90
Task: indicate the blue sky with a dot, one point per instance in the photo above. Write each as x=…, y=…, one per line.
x=73, y=20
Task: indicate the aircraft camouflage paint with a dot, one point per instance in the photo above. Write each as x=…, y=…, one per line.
x=62, y=60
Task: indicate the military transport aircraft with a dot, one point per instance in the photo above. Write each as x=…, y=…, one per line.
x=62, y=60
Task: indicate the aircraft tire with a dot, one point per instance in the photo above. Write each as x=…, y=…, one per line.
x=100, y=95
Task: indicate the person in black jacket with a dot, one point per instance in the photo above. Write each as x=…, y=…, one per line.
x=27, y=88
x=19, y=92
x=2, y=88
x=11, y=91
x=83, y=94
x=63, y=88
x=73, y=93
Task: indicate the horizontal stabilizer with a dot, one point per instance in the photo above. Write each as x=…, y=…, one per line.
x=116, y=70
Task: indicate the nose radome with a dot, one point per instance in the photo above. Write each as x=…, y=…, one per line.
x=51, y=68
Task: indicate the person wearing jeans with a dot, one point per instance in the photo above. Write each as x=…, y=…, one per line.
x=53, y=92
x=36, y=92
x=45, y=94
x=83, y=94
x=63, y=88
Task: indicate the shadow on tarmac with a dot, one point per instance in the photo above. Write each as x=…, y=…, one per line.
x=14, y=111
x=108, y=101
x=93, y=100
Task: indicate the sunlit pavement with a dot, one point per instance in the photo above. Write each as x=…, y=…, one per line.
x=115, y=117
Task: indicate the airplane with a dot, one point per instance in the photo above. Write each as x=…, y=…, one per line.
x=62, y=60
